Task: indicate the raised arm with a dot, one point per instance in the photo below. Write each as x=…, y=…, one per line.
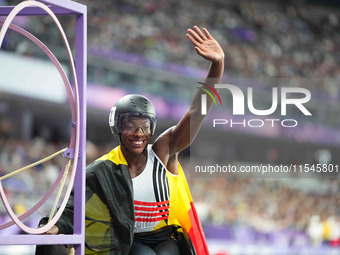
x=182, y=135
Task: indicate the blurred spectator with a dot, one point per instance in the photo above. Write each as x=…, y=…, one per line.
x=315, y=230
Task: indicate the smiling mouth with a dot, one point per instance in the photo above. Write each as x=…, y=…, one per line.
x=137, y=142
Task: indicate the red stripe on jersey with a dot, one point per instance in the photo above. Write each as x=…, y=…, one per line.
x=151, y=203
x=151, y=214
x=151, y=219
x=150, y=209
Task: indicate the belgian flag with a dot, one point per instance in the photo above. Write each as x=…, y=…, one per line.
x=185, y=212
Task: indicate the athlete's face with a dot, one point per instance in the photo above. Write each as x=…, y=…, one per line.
x=135, y=133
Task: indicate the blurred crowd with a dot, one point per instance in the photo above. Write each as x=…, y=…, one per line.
x=26, y=188
x=269, y=205
x=261, y=38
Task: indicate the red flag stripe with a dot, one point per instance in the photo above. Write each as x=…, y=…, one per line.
x=196, y=232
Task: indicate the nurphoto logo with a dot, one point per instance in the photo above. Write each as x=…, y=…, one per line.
x=238, y=107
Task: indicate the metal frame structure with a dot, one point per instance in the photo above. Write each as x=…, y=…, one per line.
x=65, y=7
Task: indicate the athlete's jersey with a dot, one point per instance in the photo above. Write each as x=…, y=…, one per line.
x=151, y=194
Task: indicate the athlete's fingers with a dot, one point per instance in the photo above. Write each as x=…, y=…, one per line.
x=193, y=34
x=54, y=230
x=207, y=33
x=199, y=32
x=193, y=40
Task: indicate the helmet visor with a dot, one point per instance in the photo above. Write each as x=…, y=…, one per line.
x=130, y=123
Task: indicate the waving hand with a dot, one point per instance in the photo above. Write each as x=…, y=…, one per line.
x=205, y=44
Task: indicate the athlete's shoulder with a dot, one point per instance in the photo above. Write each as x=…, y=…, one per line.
x=116, y=156
x=110, y=160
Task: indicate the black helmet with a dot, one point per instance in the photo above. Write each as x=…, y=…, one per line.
x=135, y=105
